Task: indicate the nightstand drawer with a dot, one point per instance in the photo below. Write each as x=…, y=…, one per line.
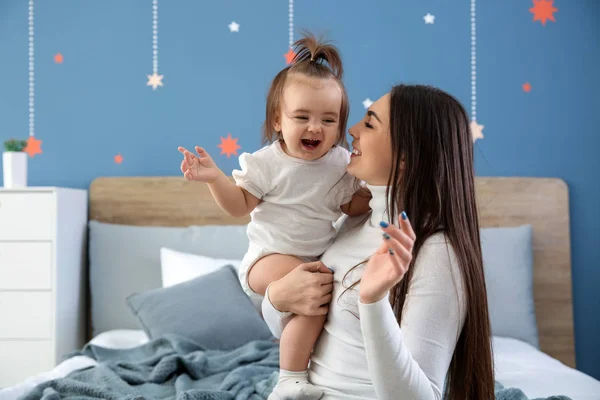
x=25, y=265
x=27, y=216
x=25, y=315
x=21, y=360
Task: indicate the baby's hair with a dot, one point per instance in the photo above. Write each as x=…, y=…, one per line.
x=314, y=59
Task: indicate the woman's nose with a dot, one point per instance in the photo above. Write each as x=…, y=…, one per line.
x=352, y=132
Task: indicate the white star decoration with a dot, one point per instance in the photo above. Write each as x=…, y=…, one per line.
x=429, y=19
x=476, y=130
x=155, y=80
x=234, y=27
x=367, y=102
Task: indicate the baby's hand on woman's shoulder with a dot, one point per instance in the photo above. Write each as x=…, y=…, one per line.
x=359, y=204
x=200, y=168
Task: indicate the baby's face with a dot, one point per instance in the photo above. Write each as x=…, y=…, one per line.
x=309, y=116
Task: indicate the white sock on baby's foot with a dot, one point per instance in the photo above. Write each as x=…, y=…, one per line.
x=294, y=385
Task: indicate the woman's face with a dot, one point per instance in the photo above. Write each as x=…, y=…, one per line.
x=371, y=159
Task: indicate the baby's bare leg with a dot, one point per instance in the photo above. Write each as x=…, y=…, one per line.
x=269, y=269
x=297, y=341
x=298, y=336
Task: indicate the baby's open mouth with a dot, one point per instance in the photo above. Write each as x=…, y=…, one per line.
x=310, y=144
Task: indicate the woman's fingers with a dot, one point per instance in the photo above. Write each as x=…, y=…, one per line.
x=400, y=235
x=324, y=278
x=315, y=266
x=397, y=262
x=323, y=310
x=326, y=288
x=398, y=250
x=406, y=226
x=383, y=248
x=326, y=299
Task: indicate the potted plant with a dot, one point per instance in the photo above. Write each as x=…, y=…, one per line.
x=14, y=163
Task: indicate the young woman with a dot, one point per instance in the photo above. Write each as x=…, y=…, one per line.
x=406, y=305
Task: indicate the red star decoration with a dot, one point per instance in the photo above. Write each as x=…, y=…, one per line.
x=526, y=87
x=34, y=146
x=289, y=56
x=58, y=58
x=229, y=146
x=118, y=159
x=542, y=10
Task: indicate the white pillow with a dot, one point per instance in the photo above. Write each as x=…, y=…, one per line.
x=177, y=267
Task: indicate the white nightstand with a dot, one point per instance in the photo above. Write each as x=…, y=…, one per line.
x=43, y=233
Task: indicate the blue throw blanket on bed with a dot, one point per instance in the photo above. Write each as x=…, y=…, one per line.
x=503, y=393
x=170, y=367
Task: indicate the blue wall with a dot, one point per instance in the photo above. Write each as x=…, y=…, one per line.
x=96, y=103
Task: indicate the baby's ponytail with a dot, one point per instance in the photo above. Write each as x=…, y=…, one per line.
x=312, y=53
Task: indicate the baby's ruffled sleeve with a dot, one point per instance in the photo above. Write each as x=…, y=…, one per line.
x=253, y=175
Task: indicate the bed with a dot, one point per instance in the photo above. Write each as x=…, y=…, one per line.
x=139, y=224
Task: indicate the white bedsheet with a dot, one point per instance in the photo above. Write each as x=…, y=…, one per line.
x=517, y=364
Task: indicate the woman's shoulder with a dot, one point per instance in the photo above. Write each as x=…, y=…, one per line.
x=437, y=269
x=437, y=255
x=437, y=238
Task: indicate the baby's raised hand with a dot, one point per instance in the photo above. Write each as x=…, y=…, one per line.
x=200, y=168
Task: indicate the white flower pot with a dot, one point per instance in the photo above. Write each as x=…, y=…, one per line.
x=14, y=166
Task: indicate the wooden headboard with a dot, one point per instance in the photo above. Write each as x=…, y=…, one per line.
x=541, y=202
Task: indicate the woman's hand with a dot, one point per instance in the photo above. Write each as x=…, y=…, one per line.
x=306, y=290
x=389, y=263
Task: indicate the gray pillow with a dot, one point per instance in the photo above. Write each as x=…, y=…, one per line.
x=211, y=310
x=508, y=265
x=125, y=259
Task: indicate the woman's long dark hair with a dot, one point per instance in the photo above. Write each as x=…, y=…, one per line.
x=433, y=180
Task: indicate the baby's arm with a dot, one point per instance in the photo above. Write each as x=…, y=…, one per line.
x=234, y=200
x=359, y=204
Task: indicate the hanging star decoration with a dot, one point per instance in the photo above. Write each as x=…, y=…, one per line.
x=429, y=19
x=118, y=159
x=229, y=146
x=58, y=58
x=34, y=146
x=543, y=10
x=234, y=27
x=527, y=87
x=476, y=130
x=155, y=80
x=289, y=56
x=367, y=102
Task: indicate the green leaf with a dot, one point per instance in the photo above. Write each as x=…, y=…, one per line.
x=15, y=145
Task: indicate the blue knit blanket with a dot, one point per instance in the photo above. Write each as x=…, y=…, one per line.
x=170, y=367
x=175, y=368
x=503, y=393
